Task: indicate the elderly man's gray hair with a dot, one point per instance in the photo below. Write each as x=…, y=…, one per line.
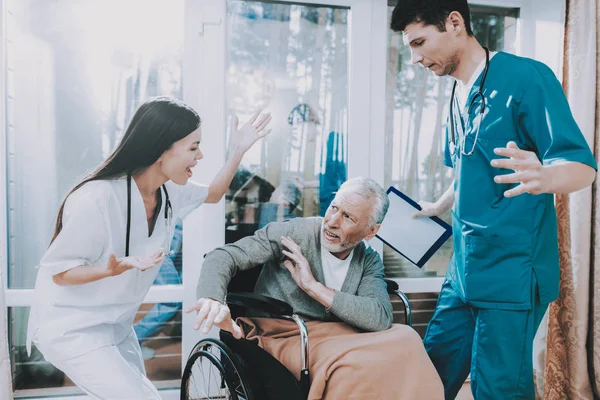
x=371, y=190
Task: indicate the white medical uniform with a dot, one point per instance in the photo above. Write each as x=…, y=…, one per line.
x=86, y=330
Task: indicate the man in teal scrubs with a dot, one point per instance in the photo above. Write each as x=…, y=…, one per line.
x=512, y=142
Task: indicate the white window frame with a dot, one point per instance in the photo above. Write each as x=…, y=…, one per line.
x=3, y=174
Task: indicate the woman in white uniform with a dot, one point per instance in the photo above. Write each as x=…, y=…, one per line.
x=108, y=246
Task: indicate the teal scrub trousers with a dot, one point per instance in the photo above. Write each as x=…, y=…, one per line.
x=495, y=346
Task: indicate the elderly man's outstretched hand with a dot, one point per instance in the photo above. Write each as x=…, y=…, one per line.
x=211, y=312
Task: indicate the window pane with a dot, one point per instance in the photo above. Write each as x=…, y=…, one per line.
x=76, y=72
x=159, y=325
x=417, y=108
x=272, y=64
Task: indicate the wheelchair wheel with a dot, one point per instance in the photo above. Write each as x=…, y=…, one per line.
x=212, y=372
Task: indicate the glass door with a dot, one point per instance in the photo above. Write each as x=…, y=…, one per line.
x=301, y=62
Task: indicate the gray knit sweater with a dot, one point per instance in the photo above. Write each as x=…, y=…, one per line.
x=363, y=301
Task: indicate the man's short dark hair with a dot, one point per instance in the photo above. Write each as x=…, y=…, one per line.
x=429, y=12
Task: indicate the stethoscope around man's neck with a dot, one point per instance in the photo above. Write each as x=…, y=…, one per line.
x=168, y=214
x=452, y=139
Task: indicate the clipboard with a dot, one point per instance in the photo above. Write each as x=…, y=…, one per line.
x=416, y=239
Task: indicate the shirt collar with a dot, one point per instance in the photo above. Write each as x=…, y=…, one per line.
x=473, y=77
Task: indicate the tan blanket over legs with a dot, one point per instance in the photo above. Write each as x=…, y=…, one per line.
x=347, y=364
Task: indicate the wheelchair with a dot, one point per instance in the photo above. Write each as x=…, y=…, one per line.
x=238, y=369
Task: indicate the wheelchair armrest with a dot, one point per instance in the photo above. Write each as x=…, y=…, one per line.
x=392, y=286
x=259, y=302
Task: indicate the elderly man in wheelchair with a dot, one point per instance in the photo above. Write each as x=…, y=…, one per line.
x=320, y=269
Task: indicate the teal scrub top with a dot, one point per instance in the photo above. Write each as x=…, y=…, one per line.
x=499, y=242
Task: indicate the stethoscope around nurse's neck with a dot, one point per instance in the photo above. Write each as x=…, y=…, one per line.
x=168, y=214
x=452, y=139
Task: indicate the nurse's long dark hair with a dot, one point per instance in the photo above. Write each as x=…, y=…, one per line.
x=155, y=126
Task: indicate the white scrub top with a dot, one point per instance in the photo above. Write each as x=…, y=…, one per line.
x=69, y=321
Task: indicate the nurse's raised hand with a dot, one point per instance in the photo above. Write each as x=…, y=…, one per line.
x=211, y=312
x=529, y=173
x=117, y=266
x=255, y=128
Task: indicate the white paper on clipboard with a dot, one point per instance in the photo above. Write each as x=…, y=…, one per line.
x=415, y=238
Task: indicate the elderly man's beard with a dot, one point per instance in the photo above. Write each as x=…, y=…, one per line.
x=339, y=247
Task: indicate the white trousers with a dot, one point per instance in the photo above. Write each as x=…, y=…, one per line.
x=111, y=372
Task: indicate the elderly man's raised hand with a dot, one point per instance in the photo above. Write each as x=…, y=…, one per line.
x=297, y=264
x=211, y=312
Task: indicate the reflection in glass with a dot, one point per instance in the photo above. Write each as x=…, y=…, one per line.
x=161, y=349
x=417, y=107
x=76, y=72
x=272, y=64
